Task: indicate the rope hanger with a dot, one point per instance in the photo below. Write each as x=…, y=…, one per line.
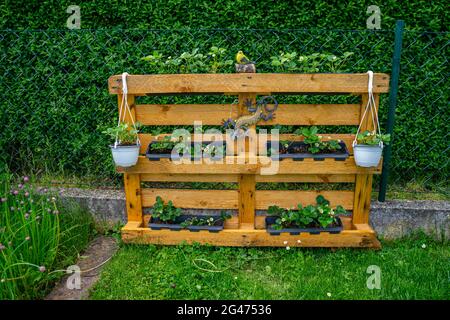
x=123, y=109
x=373, y=111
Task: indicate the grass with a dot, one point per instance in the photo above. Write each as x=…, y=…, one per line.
x=416, y=267
x=38, y=236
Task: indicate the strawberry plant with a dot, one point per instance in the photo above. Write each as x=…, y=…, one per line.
x=316, y=143
x=372, y=138
x=126, y=134
x=165, y=212
x=320, y=215
x=206, y=221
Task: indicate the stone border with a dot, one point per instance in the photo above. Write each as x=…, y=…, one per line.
x=90, y=264
x=390, y=219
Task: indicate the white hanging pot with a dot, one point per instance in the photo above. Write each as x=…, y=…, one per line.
x=125, y=156
x=367, y=155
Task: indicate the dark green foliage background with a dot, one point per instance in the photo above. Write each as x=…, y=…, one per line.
x=54, y=101
x=169, y=14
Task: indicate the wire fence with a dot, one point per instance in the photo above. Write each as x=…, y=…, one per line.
x=55, y=103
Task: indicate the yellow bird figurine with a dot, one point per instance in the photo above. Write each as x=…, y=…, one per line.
x=241, y=58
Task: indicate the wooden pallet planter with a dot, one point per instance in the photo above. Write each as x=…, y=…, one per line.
x=248, y=229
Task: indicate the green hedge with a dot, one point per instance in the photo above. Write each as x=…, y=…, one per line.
x=162, y=14
x=54, y=85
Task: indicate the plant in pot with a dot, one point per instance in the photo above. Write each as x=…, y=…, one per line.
x=313, y=146
x=168, y=147
x=167, y=216
x=125, y=150
x=312, y=218
x=369, y=147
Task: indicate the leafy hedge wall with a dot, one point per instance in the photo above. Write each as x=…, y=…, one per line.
x=54, y=101
x=161, y=14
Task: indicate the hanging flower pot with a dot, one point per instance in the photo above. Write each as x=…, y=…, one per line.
x=368, y=145
x=125, y=150
x=125, y=156
x=367, y=156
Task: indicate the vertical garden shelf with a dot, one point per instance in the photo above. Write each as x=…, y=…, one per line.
x=248, y=229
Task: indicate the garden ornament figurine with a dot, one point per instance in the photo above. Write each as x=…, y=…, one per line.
x=261, y=112
x=241, y=58
x=243, y=64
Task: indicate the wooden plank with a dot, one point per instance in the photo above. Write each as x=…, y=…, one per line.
x=246, y=201
x=259, y=199
x=363, y=190
x=184, y=114
x=162, y=177
x=133, y=197
x=318, y=178
x=250, y=83
x=347, y=138
x=291, y=198
x=287, y=166
x=313, y=178
x=195, y=199
x=316, y=114
x=250, y=238
x=212, y=114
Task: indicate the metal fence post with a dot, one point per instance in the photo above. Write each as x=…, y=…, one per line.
x=399, y=26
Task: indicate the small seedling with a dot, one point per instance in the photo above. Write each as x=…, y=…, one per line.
x=372, y=138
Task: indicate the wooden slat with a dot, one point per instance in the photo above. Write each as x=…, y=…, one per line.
x=184, y=114
x=247, y=238
x=291, y=198
x=315, y=114
x=251, y=83
x=229, y=199
x=194, y=199
x=287, y=166
x=324, y=178
x=246, y=201
x=347, y=138
x=212, y=114
x=133, y=198
x=162, y=177
x=319, y=178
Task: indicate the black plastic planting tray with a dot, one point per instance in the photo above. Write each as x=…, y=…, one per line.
x=158, y=156
x=156, y=224
x=339, y=155
x=296, y=231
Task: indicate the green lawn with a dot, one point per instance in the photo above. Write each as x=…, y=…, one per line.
x=412, y=268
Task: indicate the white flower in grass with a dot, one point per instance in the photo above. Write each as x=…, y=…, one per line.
x=288, y=248
x=329, y=294
x=424, y=246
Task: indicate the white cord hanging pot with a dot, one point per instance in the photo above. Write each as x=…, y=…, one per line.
x=125, y=155
x=368, y=155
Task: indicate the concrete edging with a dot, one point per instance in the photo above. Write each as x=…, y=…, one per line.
x=390, y=219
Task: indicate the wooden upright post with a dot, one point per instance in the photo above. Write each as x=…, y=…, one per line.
x=363, y=183
x=132, y=181
x=247, y=183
